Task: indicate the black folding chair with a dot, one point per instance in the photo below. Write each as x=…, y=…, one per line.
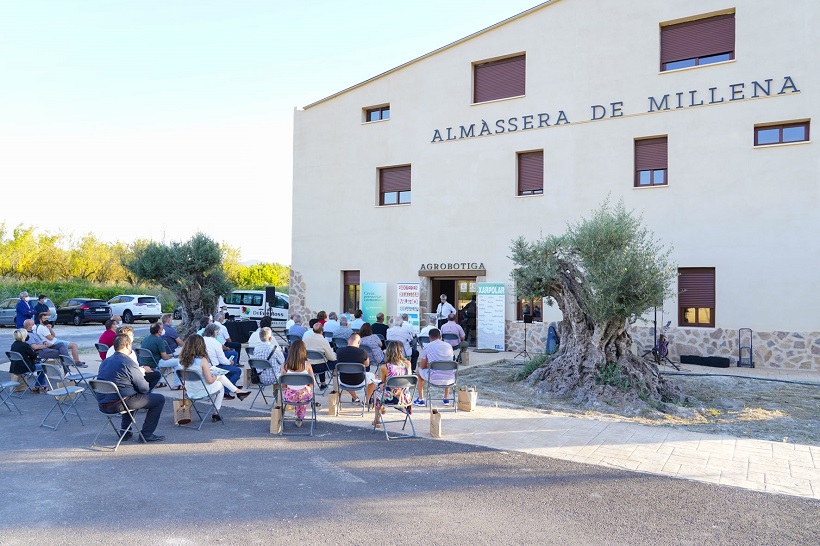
x=443, y=374
x=261, y=365
x=102, y=348
x=350, y=376
x=77, y=376
x=109, y=387
x=6, y=388
x=297, y=381
x=193, y=376
x=318, y=360
x=453, y=337
x=19, y=367
x=407, y=383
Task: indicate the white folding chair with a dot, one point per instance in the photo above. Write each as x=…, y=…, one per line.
x=407, y=383
x=193, y=376
x=68, y=393
x=108, y=387
x=260, y=365
x=354, y=380
x=443, y=374
x=297, y=381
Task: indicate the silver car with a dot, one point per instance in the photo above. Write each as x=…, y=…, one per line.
x=8, y=310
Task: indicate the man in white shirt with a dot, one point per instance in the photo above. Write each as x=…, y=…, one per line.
x=435, y=351
x=315, y=341
x=46, y=331
x=357, y=320
x=398, y=333
x=443, y=310
x=217, y=357
x=332, y=323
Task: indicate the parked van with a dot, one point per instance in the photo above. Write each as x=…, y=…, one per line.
x=253, y=304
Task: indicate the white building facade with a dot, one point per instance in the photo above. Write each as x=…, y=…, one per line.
x=696, y=114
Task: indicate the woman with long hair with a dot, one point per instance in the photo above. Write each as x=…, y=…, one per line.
x=195, y=355
x=394, y=364
x=297, y=363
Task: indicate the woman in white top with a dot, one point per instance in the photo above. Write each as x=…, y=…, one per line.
x=194, y=355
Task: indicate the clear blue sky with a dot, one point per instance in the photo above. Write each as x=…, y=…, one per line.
x=160, y=118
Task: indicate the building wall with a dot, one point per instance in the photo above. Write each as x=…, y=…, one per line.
x=749, y=212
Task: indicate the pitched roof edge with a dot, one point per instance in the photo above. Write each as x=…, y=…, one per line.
x=434, y=52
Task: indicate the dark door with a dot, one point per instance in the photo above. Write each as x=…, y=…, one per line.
x=443, y=286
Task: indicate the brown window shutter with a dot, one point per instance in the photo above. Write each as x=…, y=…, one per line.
x=699, y=38
x=696, y=287
x=530, y=171
x=351, y=277
x=500, y=79
x=651, y=153
x=395, y=179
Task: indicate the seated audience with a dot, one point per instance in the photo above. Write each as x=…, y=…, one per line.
x=344, y=331
x=268, y=349
x=30, y=363
x=230, y=348
x=107, y=337
x=316, y=342
x=332, y=323
x=431, y=323
x=297, y=362
x=357, y=319
x=152, y=377
x=170, y=334
x=352, y=353
x=379, y=327
x=398, y=333
x=435, y=351
x=297, y=329
x=217, y=357
x=452, y=327
x=158, y=348
x=194, y=355
x=130, y=380
x=253, y=340
x=394, y=364
x=46, y=331
x=372, y=341
x=43, y=347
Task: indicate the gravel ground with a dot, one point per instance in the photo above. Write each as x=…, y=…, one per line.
x=741, y=407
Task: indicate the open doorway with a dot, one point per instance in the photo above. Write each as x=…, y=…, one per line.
x=459, y=293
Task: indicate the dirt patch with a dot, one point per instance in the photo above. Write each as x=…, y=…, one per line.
x=733, y=406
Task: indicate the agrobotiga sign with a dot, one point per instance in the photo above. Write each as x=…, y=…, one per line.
x=670, y=101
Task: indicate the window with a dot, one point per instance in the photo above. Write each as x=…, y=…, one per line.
x=529, y=307
x=651, y=162
x=500, y=79
x=696, y=296
x=352, y=291
x=377, y=114
x=781, y=134
x=699, y=42
x=394, y=185
x=531, y=173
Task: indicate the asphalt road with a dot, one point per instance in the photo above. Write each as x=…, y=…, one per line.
x=84, y=336
x=237, y=484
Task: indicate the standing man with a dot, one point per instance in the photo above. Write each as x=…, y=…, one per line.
x=123, y=371
x=41, y=306
x=23, y=311
x=469, y=313
x=443, y=310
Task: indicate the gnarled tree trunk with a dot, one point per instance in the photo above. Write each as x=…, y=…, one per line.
x=595, y=360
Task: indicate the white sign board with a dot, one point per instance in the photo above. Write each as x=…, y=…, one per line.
x=407, y=301
x=491, y=306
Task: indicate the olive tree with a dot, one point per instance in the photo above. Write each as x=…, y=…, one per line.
x=191, y=270
x=604, y=273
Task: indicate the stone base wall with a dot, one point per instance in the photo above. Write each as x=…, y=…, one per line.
x=297, y=293
x=786, y=350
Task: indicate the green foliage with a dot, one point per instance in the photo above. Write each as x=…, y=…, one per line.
x=610, y=374
x=258, y=276
x=530, y=366
x=617, y=269
x=191, y=270
x=60, y=291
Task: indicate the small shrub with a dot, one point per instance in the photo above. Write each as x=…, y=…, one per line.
x=530, y=366
x=611, y=374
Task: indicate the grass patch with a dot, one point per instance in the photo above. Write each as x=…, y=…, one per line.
x=530, y=366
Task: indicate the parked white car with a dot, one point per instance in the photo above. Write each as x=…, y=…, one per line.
x=133, y=307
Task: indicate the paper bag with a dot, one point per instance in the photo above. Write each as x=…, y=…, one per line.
x=435, y=424
x=332, y=402
x=276, y=420
x=21, y=386
x=467, y=398
x=182, y=412
x=246, y=378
